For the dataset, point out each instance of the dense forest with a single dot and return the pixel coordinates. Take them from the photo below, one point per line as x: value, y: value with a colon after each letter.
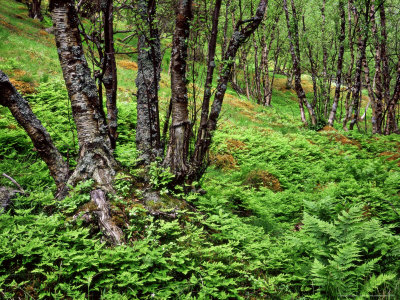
x: 180, y: 149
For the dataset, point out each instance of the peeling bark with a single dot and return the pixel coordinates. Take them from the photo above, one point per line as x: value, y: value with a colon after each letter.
x: 177, y: 152
x: 19, y: 107
x: 81, y: 86
x: 95, y: 159
x: 147, y: 82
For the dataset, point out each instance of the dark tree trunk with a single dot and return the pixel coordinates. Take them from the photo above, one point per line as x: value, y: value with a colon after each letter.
x: 197, y: 159
x: 362, y: 45
x: 293, y: 34
x: 34, y: 9
x: 325, y: 91
x: 267, y: 86
x: 391, y: 123
x: 176, y: 156
x: 147, y: 81
x: 239, y: 37
x: 342, y: 37
x: 41, y: 139
x: 351, y: 35
x: 110, y: 73
x: 313, y: 67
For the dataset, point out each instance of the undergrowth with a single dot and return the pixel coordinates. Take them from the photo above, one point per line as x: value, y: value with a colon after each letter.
x: 289, y: 212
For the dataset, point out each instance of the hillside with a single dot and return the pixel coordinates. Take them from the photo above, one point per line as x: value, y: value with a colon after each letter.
x: 288, y: 212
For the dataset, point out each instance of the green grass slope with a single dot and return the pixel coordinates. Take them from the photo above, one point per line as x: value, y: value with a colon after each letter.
x: 289, y: 212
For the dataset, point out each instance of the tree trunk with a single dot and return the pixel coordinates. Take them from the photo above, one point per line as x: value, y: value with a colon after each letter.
x: 325, y: 92
x: 110, y: 73
x: 342, y: 37
x: 348, y: 105
x: 295, y: 52
x: 176, y: 157
x: 95, y: 159
x: 147, y: 81
x: 34, y: 9
x: 240, y: 35
x: 41, y: 139
x: 197, y: 159
x: 362, y: 44
x: 257, y: 77
x: 391, y: 123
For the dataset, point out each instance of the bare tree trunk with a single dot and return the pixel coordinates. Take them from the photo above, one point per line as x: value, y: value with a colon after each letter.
x: 41, y: 139
x: 176, y: 156
x: 325, y: 92
x: 257, y: 77
x: 95, y: 159
x: 197, y: 159
x: 267, y: 86
x: 239, y: 37
x: 349, y: 105
x: 312, y: 66
x: 391, y: 123
x: 342, y: 37
x: 34, y: 8
x: 362, y: 44
x: 110, y: 73
x: 147, y: 81
x: 295, y: 52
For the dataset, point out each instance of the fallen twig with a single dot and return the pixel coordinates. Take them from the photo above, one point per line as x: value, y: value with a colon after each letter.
x: 15, y: 182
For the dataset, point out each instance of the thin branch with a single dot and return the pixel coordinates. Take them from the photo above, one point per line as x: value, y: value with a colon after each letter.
x: 14, y: 181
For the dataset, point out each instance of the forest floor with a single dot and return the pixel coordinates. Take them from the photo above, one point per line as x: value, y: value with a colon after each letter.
x: 289, y: 212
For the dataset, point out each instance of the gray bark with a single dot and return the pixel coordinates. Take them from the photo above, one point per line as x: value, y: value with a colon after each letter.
x: 95, y: 159
x: 147, y: 82
x: 41, y: 139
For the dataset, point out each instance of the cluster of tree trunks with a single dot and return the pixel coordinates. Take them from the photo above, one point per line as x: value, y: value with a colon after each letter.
x: 97, y: 133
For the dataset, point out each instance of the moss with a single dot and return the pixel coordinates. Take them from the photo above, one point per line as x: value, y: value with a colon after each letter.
x: 259, y: 178
x: 223, y: 161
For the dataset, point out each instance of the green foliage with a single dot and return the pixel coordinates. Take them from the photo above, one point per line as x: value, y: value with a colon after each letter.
x: 331, y: 231
x: 160, y: 176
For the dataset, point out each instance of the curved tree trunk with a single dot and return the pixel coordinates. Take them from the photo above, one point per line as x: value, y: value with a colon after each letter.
x: 197, y: 159
x: 41, y: 139
x: 240, y: 35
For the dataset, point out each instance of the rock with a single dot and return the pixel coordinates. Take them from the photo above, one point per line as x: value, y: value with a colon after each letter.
x: 6, y: 196
x: 50, y: 30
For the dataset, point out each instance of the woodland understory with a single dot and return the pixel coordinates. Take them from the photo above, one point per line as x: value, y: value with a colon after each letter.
x: 176, y: 149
